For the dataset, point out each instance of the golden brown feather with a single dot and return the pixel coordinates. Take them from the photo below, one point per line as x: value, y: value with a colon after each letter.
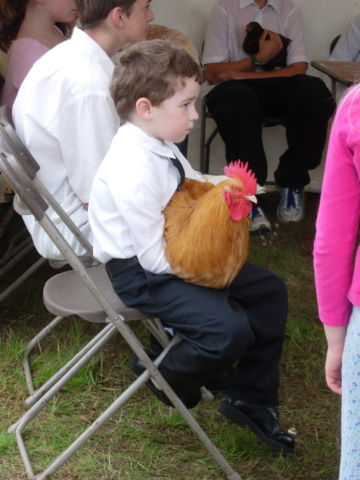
x: 203, y: 244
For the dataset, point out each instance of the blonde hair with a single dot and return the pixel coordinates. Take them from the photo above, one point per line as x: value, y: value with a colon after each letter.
x: 153, y: 69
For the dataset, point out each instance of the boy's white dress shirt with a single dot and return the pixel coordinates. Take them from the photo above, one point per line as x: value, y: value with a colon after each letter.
x: 66, y: 117
x: 132, y: 187
x: 226, y: 30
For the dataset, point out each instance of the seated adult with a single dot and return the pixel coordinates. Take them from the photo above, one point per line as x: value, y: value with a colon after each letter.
x: 240, y: 92
x: 347, y: 48
x: 64, y: 112
x: 28, y: 30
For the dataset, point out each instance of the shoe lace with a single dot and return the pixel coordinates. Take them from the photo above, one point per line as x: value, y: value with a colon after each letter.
x: 291, y: 198
x: 256, y: 212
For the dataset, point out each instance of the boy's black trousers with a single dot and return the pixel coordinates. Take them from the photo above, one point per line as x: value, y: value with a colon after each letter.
x: 244, y: 323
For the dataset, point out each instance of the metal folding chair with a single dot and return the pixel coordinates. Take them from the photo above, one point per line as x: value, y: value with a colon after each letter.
x: 118, y: 321
x: 63, y: 287
x: 11, y: 143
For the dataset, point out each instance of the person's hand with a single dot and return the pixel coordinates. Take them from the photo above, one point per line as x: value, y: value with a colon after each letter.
x: 270, y: 45
x: 333, y: 366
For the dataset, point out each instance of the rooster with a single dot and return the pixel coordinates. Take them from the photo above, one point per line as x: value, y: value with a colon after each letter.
x: 207, y: 227
x: 251, y: 46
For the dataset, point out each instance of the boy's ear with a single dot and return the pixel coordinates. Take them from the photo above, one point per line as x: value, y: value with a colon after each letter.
x: 143, y: 108
x: 117, y: 16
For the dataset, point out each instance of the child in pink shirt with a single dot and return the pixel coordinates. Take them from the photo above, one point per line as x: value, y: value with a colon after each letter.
x: 27, y: 32
x: 337, y: 275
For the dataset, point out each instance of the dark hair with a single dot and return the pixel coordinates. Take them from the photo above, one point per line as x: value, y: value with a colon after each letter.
x: 153, y: 69
x: 93, y: 12
x: 12, y: 14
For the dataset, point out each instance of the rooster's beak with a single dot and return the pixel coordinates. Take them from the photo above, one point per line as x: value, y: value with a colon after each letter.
x: 251, y: 198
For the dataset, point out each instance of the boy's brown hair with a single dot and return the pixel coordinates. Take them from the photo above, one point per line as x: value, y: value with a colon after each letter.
x: 153, y: 69
x: 93, y: 12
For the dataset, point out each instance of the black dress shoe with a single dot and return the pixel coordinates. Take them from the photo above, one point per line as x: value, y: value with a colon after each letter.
x: 263, y: 420
x: 137, y: 367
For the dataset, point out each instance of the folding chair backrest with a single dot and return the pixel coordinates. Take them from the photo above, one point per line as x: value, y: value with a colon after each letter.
x: 37, y: 205
x: 11, y: 143
x: 14, y: 144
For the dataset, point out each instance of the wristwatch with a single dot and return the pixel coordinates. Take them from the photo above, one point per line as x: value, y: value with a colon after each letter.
x: 258, y: 66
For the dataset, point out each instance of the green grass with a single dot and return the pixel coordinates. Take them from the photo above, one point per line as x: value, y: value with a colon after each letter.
x: 146, y: 439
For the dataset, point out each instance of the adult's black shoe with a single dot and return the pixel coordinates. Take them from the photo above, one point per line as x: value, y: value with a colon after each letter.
x: 263, y: 420
x: 137, y: 367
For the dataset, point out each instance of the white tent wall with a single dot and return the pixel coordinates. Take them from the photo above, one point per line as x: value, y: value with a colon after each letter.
x: 323, y: 20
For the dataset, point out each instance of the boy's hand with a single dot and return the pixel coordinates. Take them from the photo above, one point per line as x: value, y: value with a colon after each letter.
x: 270, y: 45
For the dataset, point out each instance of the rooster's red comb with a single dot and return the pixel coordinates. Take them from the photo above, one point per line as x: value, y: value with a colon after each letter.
x: 238, y: 169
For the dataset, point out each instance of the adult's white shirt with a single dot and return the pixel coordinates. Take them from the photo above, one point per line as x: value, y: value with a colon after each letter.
x: 66, y: 117
x: 347, y: 48
x: 132, y: 186
x: 226, y: 30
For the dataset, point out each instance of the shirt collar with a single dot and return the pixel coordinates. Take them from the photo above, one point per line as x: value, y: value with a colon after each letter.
x: 93, y: 49
x: 164, y: 149
x: 273, y: 3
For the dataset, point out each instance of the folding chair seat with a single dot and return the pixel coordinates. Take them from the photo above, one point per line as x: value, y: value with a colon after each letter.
x: 118, y: 321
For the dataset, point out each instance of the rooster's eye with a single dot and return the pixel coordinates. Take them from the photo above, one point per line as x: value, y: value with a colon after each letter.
x: 235, y: 189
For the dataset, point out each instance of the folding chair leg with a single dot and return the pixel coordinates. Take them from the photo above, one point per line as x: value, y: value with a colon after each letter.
x: 162, y: 337
x: 22, y: 278
x: 31, y: 345
x: 207, y: 148
x: 110, y: 331
x: 119, y: 402
x: 32, y: 399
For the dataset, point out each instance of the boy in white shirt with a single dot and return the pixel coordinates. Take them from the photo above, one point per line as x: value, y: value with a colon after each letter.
x: 64, y: 112
x: 154, y: 88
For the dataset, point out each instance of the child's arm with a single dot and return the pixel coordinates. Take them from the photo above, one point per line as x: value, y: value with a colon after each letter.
x: 338, y: 217
x: 336, y: 339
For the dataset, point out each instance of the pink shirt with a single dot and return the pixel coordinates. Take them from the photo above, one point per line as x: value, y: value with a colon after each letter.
x: 22, y: 55
x: 337, y: 276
